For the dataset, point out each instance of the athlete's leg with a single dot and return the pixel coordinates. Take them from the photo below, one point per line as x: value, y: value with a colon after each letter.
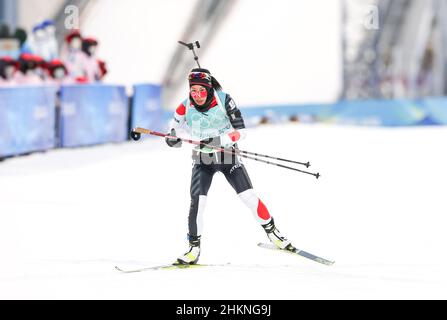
x: 201, y: 178
x: 238, y: 177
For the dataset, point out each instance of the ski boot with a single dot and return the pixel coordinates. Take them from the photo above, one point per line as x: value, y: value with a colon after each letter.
x: 276, y: 238
x: 192, y: 256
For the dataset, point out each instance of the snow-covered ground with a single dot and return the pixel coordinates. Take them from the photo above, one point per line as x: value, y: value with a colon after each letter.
x: 67, y: 217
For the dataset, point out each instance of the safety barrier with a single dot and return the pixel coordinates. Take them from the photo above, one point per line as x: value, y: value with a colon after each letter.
x: 146, y: 107
x: 93, y: 114
x: 27, y: 119
x: 387, y: 113
x: 36, y: 118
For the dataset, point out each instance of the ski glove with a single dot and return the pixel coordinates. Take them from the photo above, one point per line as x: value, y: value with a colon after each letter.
x: 228, y: 140
x: 206, y: 143
x: 223, y: 141
x: 174, y: 143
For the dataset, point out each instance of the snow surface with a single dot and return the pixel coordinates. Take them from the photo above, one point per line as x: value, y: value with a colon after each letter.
x: 67, y: 217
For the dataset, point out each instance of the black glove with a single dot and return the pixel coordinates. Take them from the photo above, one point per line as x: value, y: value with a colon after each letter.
x: 214, y: 142
x: 174, y: 143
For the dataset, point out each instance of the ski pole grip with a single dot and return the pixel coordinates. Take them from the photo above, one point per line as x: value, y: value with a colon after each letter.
x: 146, y: 131
x: 142, y: 130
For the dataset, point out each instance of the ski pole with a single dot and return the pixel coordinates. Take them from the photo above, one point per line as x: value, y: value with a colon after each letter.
x: 307, y: 164
x: 316, y: 175
x: 136, y: 135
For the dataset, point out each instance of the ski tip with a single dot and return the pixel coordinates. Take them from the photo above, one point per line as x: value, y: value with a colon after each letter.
x: 325, y: 262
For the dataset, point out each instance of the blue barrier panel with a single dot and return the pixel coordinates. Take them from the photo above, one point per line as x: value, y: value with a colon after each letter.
x: 281, y: 113
x: 147, y: 111
x: 93, y: 114
x: 27, y: 119
x: 369, y: 112
x: 377, y: 113
x: 427, y: 111
x: 435, y: 109
x: 287, y: 110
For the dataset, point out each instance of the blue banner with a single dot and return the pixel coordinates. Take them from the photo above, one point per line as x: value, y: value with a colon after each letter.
x: 93, y: 114
x: 435, y: 111
x: 282, y: 113
x: 27, y: 119
x: 389, y: 113
x: 147, y: 111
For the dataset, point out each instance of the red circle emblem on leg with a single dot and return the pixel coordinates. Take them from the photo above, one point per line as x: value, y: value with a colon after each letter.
x: 263, y: 213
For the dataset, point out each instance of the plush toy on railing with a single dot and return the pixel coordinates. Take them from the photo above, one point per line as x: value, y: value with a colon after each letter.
x: 8, y: 67
x: 80, y: 58
x: 30, y: 71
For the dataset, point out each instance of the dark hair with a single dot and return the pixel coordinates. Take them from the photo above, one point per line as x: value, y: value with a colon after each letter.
x: 216, y: 85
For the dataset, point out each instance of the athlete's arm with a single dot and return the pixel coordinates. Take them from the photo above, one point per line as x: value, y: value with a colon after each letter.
x: 235, y: 116
x: 177, y: 122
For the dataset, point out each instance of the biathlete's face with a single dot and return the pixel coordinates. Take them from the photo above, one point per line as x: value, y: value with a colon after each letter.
x: 199, y: 94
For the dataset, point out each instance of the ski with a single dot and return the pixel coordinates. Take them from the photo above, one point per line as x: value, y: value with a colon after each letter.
x: 172, y: 266
x: 299, y: 252
x: 176, y: 266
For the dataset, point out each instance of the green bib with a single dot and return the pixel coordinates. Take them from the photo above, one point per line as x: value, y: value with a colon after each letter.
x: 211, y: 123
